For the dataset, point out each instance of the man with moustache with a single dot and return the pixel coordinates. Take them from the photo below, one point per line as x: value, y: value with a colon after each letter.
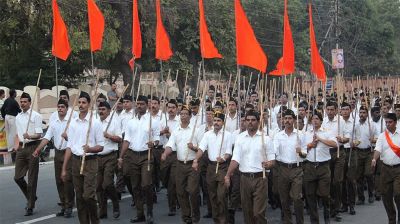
x: 128, y: 113
x: 317, y: 175
x: 107, y: 161
x: 290, y: 155
x: 77, y: 146
x: 252, y: 154
x: 168, y: 167
x: 187, y: 181
x: 25, y: 145
x: 56, y: 128
x: 388, y: 150
x: 232, y: 120
x: 139, y: 138
x: 218, y: 144
x: 63, y: 95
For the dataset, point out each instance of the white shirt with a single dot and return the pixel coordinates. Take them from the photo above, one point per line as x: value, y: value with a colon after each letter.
x: 285, y: 146
x: 212, y: 143
x: 55, y: 130
x: 387, y: 155
x: 113, y: 129
x: 250, y: 152
x: 125, y: 117
x: 231, y: 123
x: 137, y: 132
x: 322, y: 151
x: 366, y: 132
x: 380, y: 125
x: 172, y: 124
x: 178, y: 143
x: 54, y: 115
x: 77, y: 134
x: 35, y: 124
x: 201, y: 130
x: 193, y: 120
x: 346, y: 130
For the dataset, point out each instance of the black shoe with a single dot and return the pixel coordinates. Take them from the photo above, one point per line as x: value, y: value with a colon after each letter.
x: 116, y: 213
x: 133, y: 203
x: 149, y: 219
x: 377, y: 197
x: 336, y: 216
x: 60, y: 213
x: 352, y: 211
x: 344, y: 209
x: 103, y: 216
x: 326, y: 217
x: 371, y: 200
x: 29, y: 212
x: 119, y: 196
x: 138, y: 219
x: 360, y: 202
x: 208, y: 216
x: 68, y: 213
x: 171, y: 213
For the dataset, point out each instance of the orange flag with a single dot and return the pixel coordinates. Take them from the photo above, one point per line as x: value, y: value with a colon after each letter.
x: 136, y: 34
x: 287, y: 61
x: 96, y: 26
x: 248, y: 50
x: 163, y: 47
x: 207, y: 47
x: 60, y: 45
x: 317, y: 67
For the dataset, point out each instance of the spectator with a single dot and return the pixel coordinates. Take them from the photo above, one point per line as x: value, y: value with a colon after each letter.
x: 9, y: 110
x: 112, y: 95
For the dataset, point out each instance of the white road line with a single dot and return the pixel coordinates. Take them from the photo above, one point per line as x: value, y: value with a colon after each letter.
x: 13, y: 166
x: 54, y: 215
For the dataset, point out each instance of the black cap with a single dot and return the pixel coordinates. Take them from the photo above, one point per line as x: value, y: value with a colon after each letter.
x: 142, y: 98
x: 102, y: 96
x: 64, y: 93
x: 195, y: 102
x: 128, y: 97
x: 219, y: 104
x: 84, y: 95
x: 105, y: 104
x: 289, y: 112
x: 391, y: 116
x: 60, y: 101
x: 219, y: 115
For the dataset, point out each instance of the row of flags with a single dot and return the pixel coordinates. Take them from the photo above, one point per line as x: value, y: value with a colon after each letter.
x: 248, y: 50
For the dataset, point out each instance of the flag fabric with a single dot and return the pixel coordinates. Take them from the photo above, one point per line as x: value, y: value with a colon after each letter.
x: 132, y: 63
x: 317, y: 67
x: 96, y: 26
x: 136, y: 33
x: 248, y: 50
x: 163, y: 46
x: 60, y: 44
x: 286, y: 65
x: 207, y: 47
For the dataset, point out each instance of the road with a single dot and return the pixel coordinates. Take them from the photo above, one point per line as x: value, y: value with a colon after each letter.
x: 12, y: 205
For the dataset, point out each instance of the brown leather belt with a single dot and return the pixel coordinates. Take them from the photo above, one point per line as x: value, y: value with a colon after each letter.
x: 252, y: 175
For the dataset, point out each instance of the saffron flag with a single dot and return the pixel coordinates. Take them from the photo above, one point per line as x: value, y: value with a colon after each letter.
x: 207, y: 47
x: 96, y: 26
x: 163, y: 47
x: 248, y: 50
x: 317, y: 67
x: 286, y: 63
x: 60, y: 45
x: 136, y: 34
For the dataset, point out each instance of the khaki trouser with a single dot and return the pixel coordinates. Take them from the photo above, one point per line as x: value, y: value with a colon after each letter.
x: 85, y: 188
x: 136, y: 168
x: 390, y: 189
x: 364, y: 170
x: 168, y: 173
x: 253, y: 191
x: 349, y: 188
x: 187, y: 189
x: 217, y: 192
x: 203, y: 163
x: 317, y: 180
x: 65, y: 189
x: 290, y: 190
x: 337, y: 173
x: 105, y: 182
x: 26, y: 163
x: 234, y: 194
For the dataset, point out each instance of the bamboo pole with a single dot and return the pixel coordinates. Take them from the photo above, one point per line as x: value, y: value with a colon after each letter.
x: 70, y: 117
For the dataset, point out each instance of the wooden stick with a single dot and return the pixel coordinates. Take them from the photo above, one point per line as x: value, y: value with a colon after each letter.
x: 70, y: 117
x: 184, y: 88
x: 297, y: 121
x: 33, y: 103
x: 113, y: 108
x: 150, y: 125
x: 90, y: 122
x: 262, y: 128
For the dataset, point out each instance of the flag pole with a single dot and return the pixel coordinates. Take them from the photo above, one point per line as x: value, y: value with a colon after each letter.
x: 55, y: 65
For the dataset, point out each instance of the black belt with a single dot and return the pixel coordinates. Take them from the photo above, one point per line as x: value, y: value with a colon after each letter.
x: 215, y: 162
x: 333, y: 150
x: 104, y: 155
x: 392, y: 166
x: 187, y: 162
x: 316, y: 164
x: 252, y: 175
x: 366, y: 149
x: 28, y: 143
x: 140, y: 153
x: 90, y: 157
x: 347, y: 149
x: 289, y: 165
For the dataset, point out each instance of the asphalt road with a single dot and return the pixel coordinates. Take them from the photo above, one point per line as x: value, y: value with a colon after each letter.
x: 12, y: 205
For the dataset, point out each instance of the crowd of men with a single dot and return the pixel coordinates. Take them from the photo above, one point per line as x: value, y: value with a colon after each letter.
x: 302, y: 154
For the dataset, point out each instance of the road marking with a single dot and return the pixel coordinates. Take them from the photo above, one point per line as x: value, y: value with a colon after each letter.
x: 13, y: 166
x: 54, y: 215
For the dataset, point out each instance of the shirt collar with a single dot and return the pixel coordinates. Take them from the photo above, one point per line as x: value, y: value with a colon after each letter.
x: 246, y: 133
x: 86, y: 118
